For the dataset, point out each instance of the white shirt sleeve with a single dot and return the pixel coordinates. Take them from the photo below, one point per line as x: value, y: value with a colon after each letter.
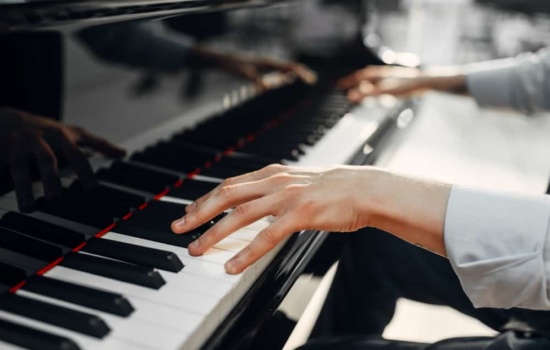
x: 521, y: 83
x: 499, y: 246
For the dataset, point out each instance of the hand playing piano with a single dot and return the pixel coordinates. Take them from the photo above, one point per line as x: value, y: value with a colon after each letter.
x: 400, y: 81
x: 26, y: 138
x: 335, y: 199
x: 326, y: 199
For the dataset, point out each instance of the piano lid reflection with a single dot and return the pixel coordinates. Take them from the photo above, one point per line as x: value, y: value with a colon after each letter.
x: 187, y: 97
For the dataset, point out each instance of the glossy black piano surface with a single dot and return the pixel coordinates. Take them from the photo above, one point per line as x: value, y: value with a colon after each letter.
x: 123, y: 68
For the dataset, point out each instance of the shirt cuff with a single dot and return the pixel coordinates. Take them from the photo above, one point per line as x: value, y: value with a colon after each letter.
x: 490, y: 84
x: 497, y: 244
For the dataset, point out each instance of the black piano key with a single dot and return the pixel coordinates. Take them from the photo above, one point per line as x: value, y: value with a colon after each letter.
x: 158, y: 215
x: 138, y: 255
x: 192, y: 189
x: 169, y: 155
x: 29, y: 246
x: 59, y: 316
x: 117, y: 200
x: 154, y: 224
x: 137, y: 177
x: 92, y: 298
x: 155, y: 235
x: 11, y: 275
x: 288, y: 152
x: 243, y: 163
x: 139, y: 275
x: 82, y: 211
x: 222, y: 172
x: 25, y: 262
x: 33, y: 339
x: 42, y: 230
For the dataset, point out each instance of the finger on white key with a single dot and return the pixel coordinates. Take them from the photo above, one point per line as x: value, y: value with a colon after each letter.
x: 195, y: 265
x: 213, y: 255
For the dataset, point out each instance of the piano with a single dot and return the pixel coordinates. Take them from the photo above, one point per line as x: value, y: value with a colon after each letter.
x: 101, y: 269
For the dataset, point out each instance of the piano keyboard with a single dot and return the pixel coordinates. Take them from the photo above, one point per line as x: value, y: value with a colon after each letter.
x: 102, y: 270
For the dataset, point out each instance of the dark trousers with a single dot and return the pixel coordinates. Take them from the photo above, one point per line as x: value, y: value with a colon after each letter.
x: 376, y: 269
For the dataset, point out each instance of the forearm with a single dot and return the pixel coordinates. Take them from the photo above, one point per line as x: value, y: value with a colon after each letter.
x: 410, y: 208
x: 447, y: 79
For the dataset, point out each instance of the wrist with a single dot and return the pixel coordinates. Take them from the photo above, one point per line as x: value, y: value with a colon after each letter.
x: 447, y: 79
x: 410, y: 208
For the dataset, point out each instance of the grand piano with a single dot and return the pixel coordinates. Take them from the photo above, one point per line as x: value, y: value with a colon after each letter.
x: 101, y: 269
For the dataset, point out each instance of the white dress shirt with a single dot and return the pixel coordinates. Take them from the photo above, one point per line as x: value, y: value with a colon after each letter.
x: 498, y: 243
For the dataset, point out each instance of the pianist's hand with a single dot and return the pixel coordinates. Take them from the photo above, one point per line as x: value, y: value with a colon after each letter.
x: 26, y: 138
x: 400, y: 81
x: 341, y: 199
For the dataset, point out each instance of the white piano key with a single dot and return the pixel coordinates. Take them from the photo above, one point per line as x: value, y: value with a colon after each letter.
x: 85, y: 342
x: 193, y: 265
x: 189, y: 301
x: 259, y: 225
x: 127, y: 329
x: 197, y: 284
x: 245, y: 234
x: 167, y: 198
x: 231, y: 244
x: 216, y: 256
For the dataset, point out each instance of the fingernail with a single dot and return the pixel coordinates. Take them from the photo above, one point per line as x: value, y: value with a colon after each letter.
x: 179, y: 223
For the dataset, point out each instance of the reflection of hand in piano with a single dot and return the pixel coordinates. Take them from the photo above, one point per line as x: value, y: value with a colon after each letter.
x: 252, y: 68
x: 27, y: 137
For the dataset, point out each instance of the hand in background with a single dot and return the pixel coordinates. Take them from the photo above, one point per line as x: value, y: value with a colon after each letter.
x: 400, y: 82
x: 253, y: 68
x: 26, y: 138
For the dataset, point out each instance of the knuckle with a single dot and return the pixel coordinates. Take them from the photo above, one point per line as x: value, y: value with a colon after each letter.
x: 226, y: 192
x: 292, y: 191
x: 227, y: 182
x: 280, y: 177
x: 270, y: 236
x: 274, y: 168
x: 194, y: 214
x: 246, y: 253
x: 242, y: 210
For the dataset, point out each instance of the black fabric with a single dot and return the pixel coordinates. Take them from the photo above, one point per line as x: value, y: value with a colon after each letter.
x: 376, y: 269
